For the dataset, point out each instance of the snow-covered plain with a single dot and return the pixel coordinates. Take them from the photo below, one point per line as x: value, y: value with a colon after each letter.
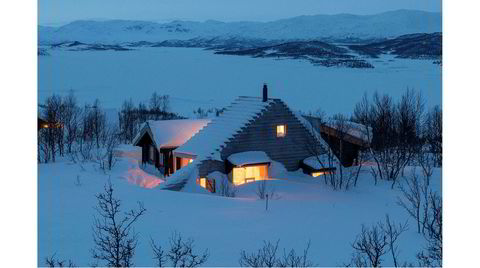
x: 198, y: 78
x: 304, y: 209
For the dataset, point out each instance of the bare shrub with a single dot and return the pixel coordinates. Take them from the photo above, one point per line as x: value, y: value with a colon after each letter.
x: 51, y: 261
x: 426, y: 160
x: 433, y: 133
x: 104, y: 156
x: 412, y: 198
x: 52, y: 136
x: 396, y: 129
x: 71, y: 120
x: 263, y: 190
x: 371, y: 244
x: 291, y: 259
x: 227, y: 189
x: 432, y: 255
x: 114, y: 238
x: 374, y: 173
x: 158, y: 253
x: 267, y: 257
x: 181, y: 252
x: 393, y: 232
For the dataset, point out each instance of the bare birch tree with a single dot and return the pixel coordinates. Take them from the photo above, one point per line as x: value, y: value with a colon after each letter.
x: 113, y: 235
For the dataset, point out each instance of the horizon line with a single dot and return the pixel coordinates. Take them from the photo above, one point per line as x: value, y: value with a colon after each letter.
x: 160, y: 21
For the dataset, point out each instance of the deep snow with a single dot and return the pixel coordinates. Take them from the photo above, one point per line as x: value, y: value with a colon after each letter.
x: 198, y: 78
x: 304, y: 209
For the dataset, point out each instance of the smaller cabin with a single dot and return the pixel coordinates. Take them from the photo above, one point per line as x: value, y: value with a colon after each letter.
x: 346, y: 139
x: 158, y: 139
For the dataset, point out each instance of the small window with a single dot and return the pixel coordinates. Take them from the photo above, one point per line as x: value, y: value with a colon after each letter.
x: 281, y: 130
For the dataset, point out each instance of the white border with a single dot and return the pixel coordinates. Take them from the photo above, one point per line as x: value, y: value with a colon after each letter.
x: 18, y: 89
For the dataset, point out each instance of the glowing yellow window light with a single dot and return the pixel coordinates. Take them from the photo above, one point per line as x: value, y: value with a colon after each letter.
x: 243, y: 175
x: 320, y: 173
x: 202, y: 182
x: 281, y: 130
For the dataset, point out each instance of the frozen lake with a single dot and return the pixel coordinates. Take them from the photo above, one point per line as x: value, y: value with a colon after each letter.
x: 197, y: 78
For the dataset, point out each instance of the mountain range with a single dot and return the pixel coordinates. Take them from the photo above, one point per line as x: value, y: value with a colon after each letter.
x: 333, y: 28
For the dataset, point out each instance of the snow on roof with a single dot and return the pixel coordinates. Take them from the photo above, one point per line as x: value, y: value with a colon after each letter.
x: 250, y: 157
x: 172, y: 133
x: 314, y: 162
x: 353, y: 129
x: 209, y: 141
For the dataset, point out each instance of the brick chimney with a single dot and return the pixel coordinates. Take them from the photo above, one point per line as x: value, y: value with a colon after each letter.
x: 265, y: 92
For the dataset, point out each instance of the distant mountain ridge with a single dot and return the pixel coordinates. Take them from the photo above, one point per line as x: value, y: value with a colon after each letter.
x: 412, y: 46
x: 324, y: 27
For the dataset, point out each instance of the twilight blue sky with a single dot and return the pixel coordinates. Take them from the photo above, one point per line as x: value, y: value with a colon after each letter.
x: 55, y: 12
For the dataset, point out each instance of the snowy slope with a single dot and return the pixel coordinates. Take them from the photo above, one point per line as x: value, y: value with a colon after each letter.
x: 303, y: 210
x: 341, y: 26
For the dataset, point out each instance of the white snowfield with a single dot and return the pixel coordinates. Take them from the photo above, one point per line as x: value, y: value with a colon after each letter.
x: 303, y: 209
x: 171, y: 133
x: 250, y: 157
x: 196, y: 78
x: 387, y: 24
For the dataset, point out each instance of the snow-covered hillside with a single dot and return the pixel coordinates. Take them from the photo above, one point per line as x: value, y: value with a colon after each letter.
x: 303, y: 209
x: 336, y: 27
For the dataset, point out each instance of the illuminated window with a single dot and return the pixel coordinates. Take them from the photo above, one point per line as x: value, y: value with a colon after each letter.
x: 182, y: 162
x: 320, y: 173
x: 316, y: 174
x: 243, y: 175
x: 281, y: 130
x: 202, y: 182
x: 207, y: 184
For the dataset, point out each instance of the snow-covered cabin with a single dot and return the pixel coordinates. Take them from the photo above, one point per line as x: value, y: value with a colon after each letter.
x: 158, y: 139
x: 242, y: 143
x: 349, y: 136
x: 251, y: 134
